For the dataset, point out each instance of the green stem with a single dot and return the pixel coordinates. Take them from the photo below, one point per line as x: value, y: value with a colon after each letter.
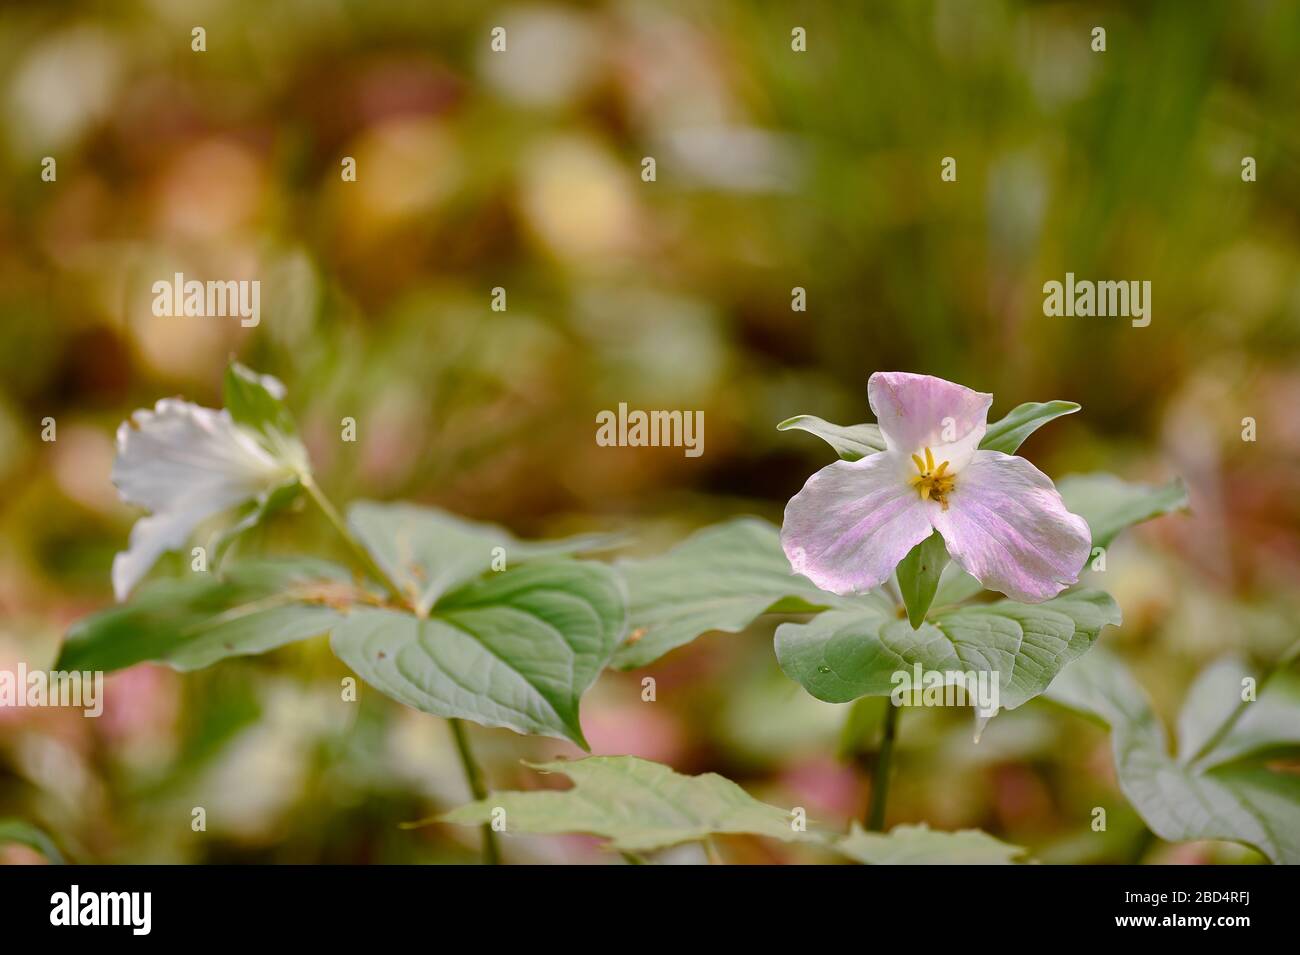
x: 880, y: 777
x: 473, y: 774
x: 360, y: 553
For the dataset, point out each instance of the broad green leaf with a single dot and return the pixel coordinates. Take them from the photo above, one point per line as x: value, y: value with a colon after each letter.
x: 257, y: 402
x: 1046, y: 636
x: 1268, y: 723
x: 918, y: 576
x: 193, y: 621
x: 1009, y: 433
x: 429, y: 552
x: 921, y: 845
x: 515, y: 649
x: 25, y: 834
x: 1208, y: 799
x: 842, y: 655
x: 636, y: 804
x: 719, y: 578
x: 855, y: 441
x: 851, y: 442
x: 1109, y: 504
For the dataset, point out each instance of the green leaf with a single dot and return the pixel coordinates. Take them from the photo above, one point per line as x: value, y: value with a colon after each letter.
x: 845, y: 654
x: 719, y: 578
x: 842, y: 655
x: 855, y: 441
x: 1211, y: 798
x: 1270, y: 723
x: 1011, y: 431
x: 1109, y: 504
x: 257, y: 403
x: 851, y: 442
x: 193, y: 621
x: 637, y: 804
x: 25, y: 834
x: 429, y: 552
x: 1046, y: 636
x: 921, y: 845
x: 515, y: 649
x: 918, y: 576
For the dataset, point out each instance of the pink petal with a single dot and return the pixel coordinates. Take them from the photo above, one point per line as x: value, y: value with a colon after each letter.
x: 853, y: 522
x: 1007, y: 527
x: 920, y: 411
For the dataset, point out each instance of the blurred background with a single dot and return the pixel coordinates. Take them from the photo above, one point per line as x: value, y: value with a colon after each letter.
x: 522, y: 170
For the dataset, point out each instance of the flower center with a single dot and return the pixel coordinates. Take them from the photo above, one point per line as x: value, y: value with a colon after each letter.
x: 932, y: 483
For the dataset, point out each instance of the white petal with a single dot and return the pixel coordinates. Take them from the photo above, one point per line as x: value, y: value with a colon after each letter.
x: 151, y: 537
x: 180, y: 449
x: 185, y: 464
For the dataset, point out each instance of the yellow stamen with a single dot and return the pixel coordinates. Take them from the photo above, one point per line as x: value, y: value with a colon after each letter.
x: 932, y: 483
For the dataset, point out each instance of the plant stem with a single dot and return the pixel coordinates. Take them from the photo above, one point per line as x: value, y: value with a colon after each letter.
x: 473, y: 774
x: 880, y: 776
x: 360, y: 553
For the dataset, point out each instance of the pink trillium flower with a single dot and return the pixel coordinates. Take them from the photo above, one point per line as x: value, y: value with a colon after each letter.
x: 1001, y: 518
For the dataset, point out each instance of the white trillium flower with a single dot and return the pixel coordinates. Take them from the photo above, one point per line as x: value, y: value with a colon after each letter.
x: 185, y: 464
